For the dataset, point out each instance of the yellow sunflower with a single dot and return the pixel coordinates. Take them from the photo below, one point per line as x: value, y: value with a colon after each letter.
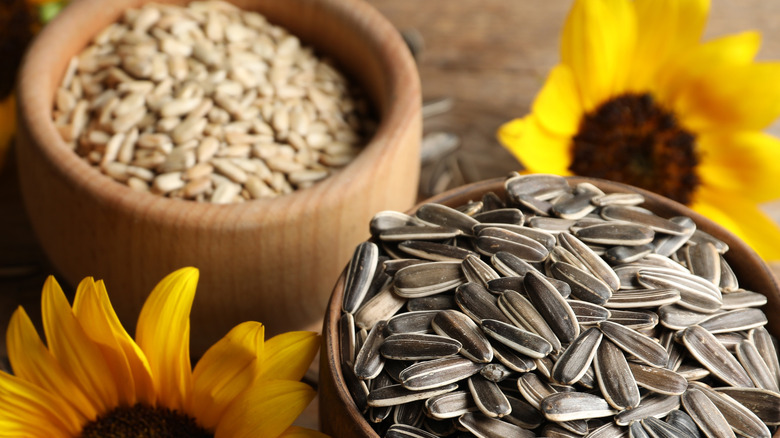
x: 93, y: 380
x: 637, y: 98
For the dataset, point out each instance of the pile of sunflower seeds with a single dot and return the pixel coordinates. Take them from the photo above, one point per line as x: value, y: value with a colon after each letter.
x: 209, y: 103
x: 559, y: 312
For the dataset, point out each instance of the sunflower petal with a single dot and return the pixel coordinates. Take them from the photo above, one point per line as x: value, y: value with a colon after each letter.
x: 225, y: 370
x: 536, y: 148
x: 32, y: 362
x: 266, y: 409
x: 289, y: 355
x: 300, y: 432
x: 79, y: 357
x: 163, y: 333
x: 745, y: 164
x: 743, y: 218
x: 557, y: 105
x: 598, y: 37
x: 27, y: 410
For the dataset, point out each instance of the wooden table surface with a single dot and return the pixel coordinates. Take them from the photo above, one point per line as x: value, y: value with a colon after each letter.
x: 488, y: 57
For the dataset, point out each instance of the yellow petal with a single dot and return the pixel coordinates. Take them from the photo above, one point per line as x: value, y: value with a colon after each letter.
x: 93, y: 319
x: 31, y: 361
x: 537, y: 149
x: 598, y: 37
x: 163, y: 333
x: 743, y: 218
x: 300, y: 432
x: 139, y: 366
x: 743, y: 97
x: 744, y: 164
x: 665, y: 28
x: 289, y: 355
x: 228, y: 368
x: 557, y: 106
x: 29, y: 411
x: 265, y: 410
x: 81, y: 359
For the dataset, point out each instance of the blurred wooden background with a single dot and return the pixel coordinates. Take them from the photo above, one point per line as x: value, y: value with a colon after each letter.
x: 488, y: 58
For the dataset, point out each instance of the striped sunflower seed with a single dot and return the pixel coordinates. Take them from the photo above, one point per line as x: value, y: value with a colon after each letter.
x: 743, y: 421
x: 567, y: 406
x: 479, y: 304
x: 438, y: 372
x: 398, y: 394
x: 488, y: 397
x: 524, y: 315
x: 369, y: 363
x: 652, y: 405
x: 411, y: 322
x: 709, y: 352
x: 428, y: 279
x: 755, y: 366
x: 359, y: 274
x: 460, y: 327
x: 577, y: 358
x: 644, y: 348
x: 399, y: 430
x: 584, y: 285
x: 706, y: 414
x: 445, y: 216
x: 552, y: 306
x: 450, y: 405
x: 660, y: 429
x: 522, y: 341
x: 486, y: 427
x: 614, y: 377
x: 681, y: 420
x: 658, y: 379
x: 762, y: 402
x: 418, y: 346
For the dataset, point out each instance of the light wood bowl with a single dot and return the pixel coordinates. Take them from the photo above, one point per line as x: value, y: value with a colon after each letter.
x: 338, y: 413
x: 274, y: 261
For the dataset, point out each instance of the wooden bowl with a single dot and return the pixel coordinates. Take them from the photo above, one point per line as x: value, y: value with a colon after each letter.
x: 338, y: 413
x: 274, y: 261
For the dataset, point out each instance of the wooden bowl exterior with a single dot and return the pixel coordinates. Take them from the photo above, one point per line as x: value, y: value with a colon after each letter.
x: 339, y: 415
x: 268, y: 260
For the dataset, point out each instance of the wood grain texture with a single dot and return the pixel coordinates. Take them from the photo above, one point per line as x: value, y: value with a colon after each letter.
x: 269, y: 260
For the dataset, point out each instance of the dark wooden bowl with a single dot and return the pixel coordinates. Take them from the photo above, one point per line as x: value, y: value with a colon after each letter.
x: 338, y: 413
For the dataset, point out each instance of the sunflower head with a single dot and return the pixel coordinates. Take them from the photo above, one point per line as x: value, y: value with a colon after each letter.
x: 638, y: 98
x: 91, y: 379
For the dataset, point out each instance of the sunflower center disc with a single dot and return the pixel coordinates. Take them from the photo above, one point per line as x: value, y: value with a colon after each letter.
x: 632, y: 140
x: 142, y: 421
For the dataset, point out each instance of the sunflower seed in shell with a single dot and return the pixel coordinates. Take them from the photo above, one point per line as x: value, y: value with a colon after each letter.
x: 393, y: 368
x: 419, y: 232
x: 643, y: 217
x: 618, y: 199
x: 695, y: 293
x: 734, y: 320
x: 692, y: 372
x: 411, y: 322
x: 488, y: 397
x: 433, y: 251
x: 577, y: 206
x: 741, y: 299
x: 400, y: 430
x: 502, y: 284
x: 522, y: 341
x: 755, y: 366
x: 766, y: 348
x: 471, y: 208
x: 541, y: 186
x: 637, y: 430
x: 388, y: 219
x: 445, y: 427
x: 712, y: 355
x: 592, y: 261
x: 700, y: 237
x: 614, y: 377
x: 652, y: 405
x: 479, y: 304
x: 357, y: 387
x: 552, y: 306
x: 460, y: 327
x: 380, y: 307
x: 538, y: 207
x: 660, y: 429
x: 411, y: 414
x: 728, y: 280
x: 634, y: 319
x: 704, y: 261
x: 642, y: 298
x: 347, y: 339
x: 553, y: 430
x: 378, y: 414
x: 547, y: 240
x: 552, y: 225
x: 495, y: 372
x: 762, y: 402
x: 577, y: 357
x: 641, y: 346
x: 533, y: 389
x: 675, y: 317
x: 444, y: 216
x: 450, y: 405
x: 397, y: 394
x: 418, y: 346
x: 681, y: 420
x: 741, y: 419
x: 588, y: 313
x: 658, y: 379
x: 705, y: 414
x: 489, y: 245
x: 432, y: 302
x: 483, y: 426
x: 668, y: 244
x: 584, y: 285
x: 359, y: 274
x: 627, y: 254
x: 428, y: 279
x: 608, y: 430
x: 438, y: 372
x: 512, y: 359
x: 568, y: 406
x: 616, y: 233
x: 524, y: 315
x: 368, y: 362
x: 511, y: 216
x: 478, y: 271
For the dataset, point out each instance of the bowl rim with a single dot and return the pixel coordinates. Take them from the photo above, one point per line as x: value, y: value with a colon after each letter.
x: 38, y: 82
x: 331, y: 363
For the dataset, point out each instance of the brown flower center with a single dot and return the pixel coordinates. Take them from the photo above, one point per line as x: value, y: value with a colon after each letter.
x: 630, y: 139
x: 142, y: 421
